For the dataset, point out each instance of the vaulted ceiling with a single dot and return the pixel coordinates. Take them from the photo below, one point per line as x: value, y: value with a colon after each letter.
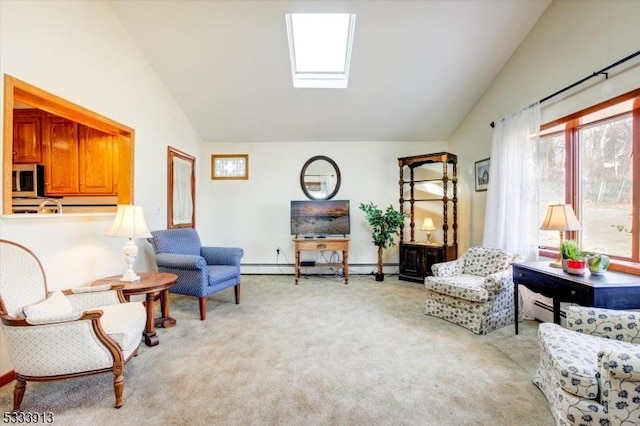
x: 417, y: 69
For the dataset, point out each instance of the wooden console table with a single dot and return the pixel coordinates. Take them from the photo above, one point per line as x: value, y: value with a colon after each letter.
x: 613, y: 290
x: 324, y: 244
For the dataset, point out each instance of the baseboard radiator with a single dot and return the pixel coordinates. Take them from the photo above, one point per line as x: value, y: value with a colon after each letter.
x: 544, y: 312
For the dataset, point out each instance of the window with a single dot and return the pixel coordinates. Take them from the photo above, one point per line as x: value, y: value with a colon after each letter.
x: 320, y: 48
x: 591, y: 160
x: 230, y: 166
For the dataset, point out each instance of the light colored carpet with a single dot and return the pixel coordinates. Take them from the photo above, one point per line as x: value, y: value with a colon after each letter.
x: 320, y: 353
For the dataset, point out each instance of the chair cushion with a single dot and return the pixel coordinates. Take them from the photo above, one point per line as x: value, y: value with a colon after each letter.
x: 574, y: 357
x: 55, y: 306
x: 483, y: 261
x: 124, y: 323
x: 221, y: 273
x: 465, y: 286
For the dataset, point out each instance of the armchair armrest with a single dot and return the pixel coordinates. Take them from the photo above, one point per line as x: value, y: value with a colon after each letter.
x: 448, y: 269
x: 619, y: 364
x: 499, y: 280
x: 222, y: 255
x: 84, y: 298
x: 608, y: 323
x: 180, y: 261
x: 73, y: 316
x: 619, y: 383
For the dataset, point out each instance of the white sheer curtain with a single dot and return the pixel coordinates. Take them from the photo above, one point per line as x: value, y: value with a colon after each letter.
x: 511, y: 216
x: 182, y: 201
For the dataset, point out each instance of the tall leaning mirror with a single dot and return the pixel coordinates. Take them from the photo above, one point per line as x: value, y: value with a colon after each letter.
x: 320, y: 178
x: 181, y: 189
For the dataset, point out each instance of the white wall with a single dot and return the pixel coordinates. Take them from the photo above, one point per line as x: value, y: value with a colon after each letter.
x: 254, y: 214
x: 570, y: 41
x: 78, y: 50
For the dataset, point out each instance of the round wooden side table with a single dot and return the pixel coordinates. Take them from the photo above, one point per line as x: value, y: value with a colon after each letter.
x: 152, y: 285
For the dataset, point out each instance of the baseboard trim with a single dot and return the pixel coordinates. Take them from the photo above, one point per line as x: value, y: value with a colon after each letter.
x: 7, y: 378
x: 289, y: 268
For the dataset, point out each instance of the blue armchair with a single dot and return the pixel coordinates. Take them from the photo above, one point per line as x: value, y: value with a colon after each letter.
x: 202, y: 271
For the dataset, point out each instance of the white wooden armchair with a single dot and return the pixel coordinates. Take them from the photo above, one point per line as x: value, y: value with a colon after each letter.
x: 63, y: 334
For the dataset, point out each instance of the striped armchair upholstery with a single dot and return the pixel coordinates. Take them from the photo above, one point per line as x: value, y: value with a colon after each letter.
x: 63, y: 334
x: 202, y: 271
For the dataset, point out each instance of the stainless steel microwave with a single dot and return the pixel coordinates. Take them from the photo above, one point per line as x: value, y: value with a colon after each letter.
x: 27, y: 181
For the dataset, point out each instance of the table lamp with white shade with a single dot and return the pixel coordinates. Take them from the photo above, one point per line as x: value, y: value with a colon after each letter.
x: 428, y: 226
x: 560, y: 217
x: 129, y: 223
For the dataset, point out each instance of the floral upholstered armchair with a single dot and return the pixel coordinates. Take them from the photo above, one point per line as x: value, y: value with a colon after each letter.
x: 63, y: 334
x: 474, y: 291
x: 202, y: 271
x: 590, y: 371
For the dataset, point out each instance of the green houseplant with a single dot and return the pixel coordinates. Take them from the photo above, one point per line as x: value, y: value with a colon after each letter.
x: 573, y: 258
x: 385, y: 225
x: 597, y: 263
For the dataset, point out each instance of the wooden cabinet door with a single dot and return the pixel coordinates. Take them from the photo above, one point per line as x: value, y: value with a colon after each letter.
x: 60, y: 142
x: 26, y: 139
x: 96, y: 162
x: 411, y: 261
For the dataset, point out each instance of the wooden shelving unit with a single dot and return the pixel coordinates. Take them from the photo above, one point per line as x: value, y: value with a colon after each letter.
x: 440, y: 183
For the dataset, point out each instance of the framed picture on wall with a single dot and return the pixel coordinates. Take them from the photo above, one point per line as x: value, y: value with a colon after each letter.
x: 482, y: 175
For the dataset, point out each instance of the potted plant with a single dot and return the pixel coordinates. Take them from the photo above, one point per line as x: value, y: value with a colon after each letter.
x: 385, y: 225
x: 597, y: 263
x: 573, y: 258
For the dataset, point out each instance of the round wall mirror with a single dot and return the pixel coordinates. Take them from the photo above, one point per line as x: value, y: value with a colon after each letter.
x: 320, y: 178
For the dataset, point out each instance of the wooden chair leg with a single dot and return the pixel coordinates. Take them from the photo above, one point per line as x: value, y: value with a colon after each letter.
x: 203, y: 308
x: 18, y: 393
x: 118, y: 388
x: 237, y: 290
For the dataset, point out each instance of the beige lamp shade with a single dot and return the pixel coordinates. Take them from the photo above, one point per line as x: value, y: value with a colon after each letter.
x: 129, y: 223
x: 560, y: 217
x: 427, y: 225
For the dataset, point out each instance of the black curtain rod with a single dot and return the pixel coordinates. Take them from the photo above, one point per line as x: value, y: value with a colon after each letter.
x: 595, y: 74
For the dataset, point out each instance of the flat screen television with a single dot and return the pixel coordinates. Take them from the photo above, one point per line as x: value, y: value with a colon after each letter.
x: 320, y: 218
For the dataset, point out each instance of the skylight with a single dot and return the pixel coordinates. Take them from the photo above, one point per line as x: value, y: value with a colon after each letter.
x: 320, y: 48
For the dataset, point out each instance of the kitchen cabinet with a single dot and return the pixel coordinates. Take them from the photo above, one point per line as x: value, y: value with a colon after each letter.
x: 27, y: 138
x: 96, y: 163
x: 60, y: 145
x: 78, y: 160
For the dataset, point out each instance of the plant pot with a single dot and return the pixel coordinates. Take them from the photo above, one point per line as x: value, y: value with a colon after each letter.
x: 379, y: 277
x: 576, y: 267
x: 598, y: 264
